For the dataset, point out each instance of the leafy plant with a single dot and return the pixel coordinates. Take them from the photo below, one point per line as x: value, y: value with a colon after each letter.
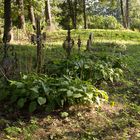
x: 37, y: 91
x: 89, y: 67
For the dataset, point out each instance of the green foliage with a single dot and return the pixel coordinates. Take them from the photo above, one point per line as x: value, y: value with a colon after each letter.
x: 103, y: 22
x: 64, y: 114
x: 37, y: 91
x: 13, y: 131
x: 89, y: 67
x: 135, y: 24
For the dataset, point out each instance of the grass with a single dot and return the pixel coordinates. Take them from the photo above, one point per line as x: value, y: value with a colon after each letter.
x: 119, y: 119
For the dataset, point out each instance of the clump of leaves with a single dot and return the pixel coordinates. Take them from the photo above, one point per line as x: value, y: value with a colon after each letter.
x: 40, y: 91
x: 89, y: 67
x: 13, y: 131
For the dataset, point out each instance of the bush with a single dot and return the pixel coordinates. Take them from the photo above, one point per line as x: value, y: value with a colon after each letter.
x: 34, y: 91
x: 89, y: 67
x: 103, y: 22
x: 135, y: 24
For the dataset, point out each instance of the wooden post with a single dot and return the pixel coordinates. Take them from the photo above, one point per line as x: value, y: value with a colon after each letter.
x: 39, y: 45
x: 89, y: 42
x: 91, y: 38
x: 69, y: 43
x: 79, y: 44
x: 88, y: 45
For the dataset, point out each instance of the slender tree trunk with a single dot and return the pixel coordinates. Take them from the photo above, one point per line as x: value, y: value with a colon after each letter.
x: 122, y: 13
x: 7, y: 21
x: 127, y: 14
x: 31, y: 14
x: 84, y: 12
x: 48, y: 13
x: 71, y: 13
x: 21, y: 18
x: 75, y: 14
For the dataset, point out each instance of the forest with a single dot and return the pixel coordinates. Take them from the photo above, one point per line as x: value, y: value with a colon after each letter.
x: 69, y: 69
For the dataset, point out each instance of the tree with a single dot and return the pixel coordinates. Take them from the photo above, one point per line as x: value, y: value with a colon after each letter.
x: 21, y: 18
x: 31, y: 14
x: 7, y: 21
x: 122, y: 13
x: 48, y: 15
x: 127, y: 14
x: 84, y: 14
x: 75, y: 14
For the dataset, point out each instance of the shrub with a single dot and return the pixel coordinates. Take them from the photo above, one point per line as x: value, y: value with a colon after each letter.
x: 135, y: 24
x: 104, y: 22
x: 34, y: 91
x: 89, y: 67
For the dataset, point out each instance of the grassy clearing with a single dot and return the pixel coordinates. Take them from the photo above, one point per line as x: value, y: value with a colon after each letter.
x: 120, y: 119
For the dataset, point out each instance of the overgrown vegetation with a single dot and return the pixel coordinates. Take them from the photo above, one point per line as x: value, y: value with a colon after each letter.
x: 110, y: 72
x: 69, y: 70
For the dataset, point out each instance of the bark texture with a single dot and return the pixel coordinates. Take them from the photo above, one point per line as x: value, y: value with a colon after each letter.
x: 21, y: 18
x: 7, y: 21
x: 48, y: 13
x: 31, y: 14
x: 84, y: 13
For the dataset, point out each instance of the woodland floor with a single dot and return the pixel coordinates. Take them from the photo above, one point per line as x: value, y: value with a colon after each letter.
x: 119, y: 119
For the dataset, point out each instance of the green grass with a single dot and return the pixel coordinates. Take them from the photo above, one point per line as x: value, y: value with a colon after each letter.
x: 120, y: 119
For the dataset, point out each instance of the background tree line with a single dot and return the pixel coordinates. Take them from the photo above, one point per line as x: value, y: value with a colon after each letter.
x: 70, y: 13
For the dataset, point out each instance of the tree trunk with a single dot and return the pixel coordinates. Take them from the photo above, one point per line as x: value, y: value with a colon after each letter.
x: 21, y: 18
x: 31, y: 14
x: 7, y: 21
x: 122, y: 13
x: 48, y: 13
x: 71, y: 13
x: 75, y: 14
x: 84, y: 12
x: 127, y: 14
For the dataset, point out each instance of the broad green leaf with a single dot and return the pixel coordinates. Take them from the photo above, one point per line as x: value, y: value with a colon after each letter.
x: 69, y: 93
x: 44, y: 87
x: 35, y: 89
x: 90, y: 95
x: 41, y: 100
x: 86, y: 66
x: 21, y: 102
x: 77, y: 95
x: 111, y: 79
x: 32, y: 106
x: 17, y: 84
x: 25, y: 77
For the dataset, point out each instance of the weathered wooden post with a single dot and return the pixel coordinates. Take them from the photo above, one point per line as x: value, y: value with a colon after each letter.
x: 79, y: 44
x: 88, y: 48
x: 39, y: 45
x: 91, y: 37
x: 89, y: 42
x: 68, y: 44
